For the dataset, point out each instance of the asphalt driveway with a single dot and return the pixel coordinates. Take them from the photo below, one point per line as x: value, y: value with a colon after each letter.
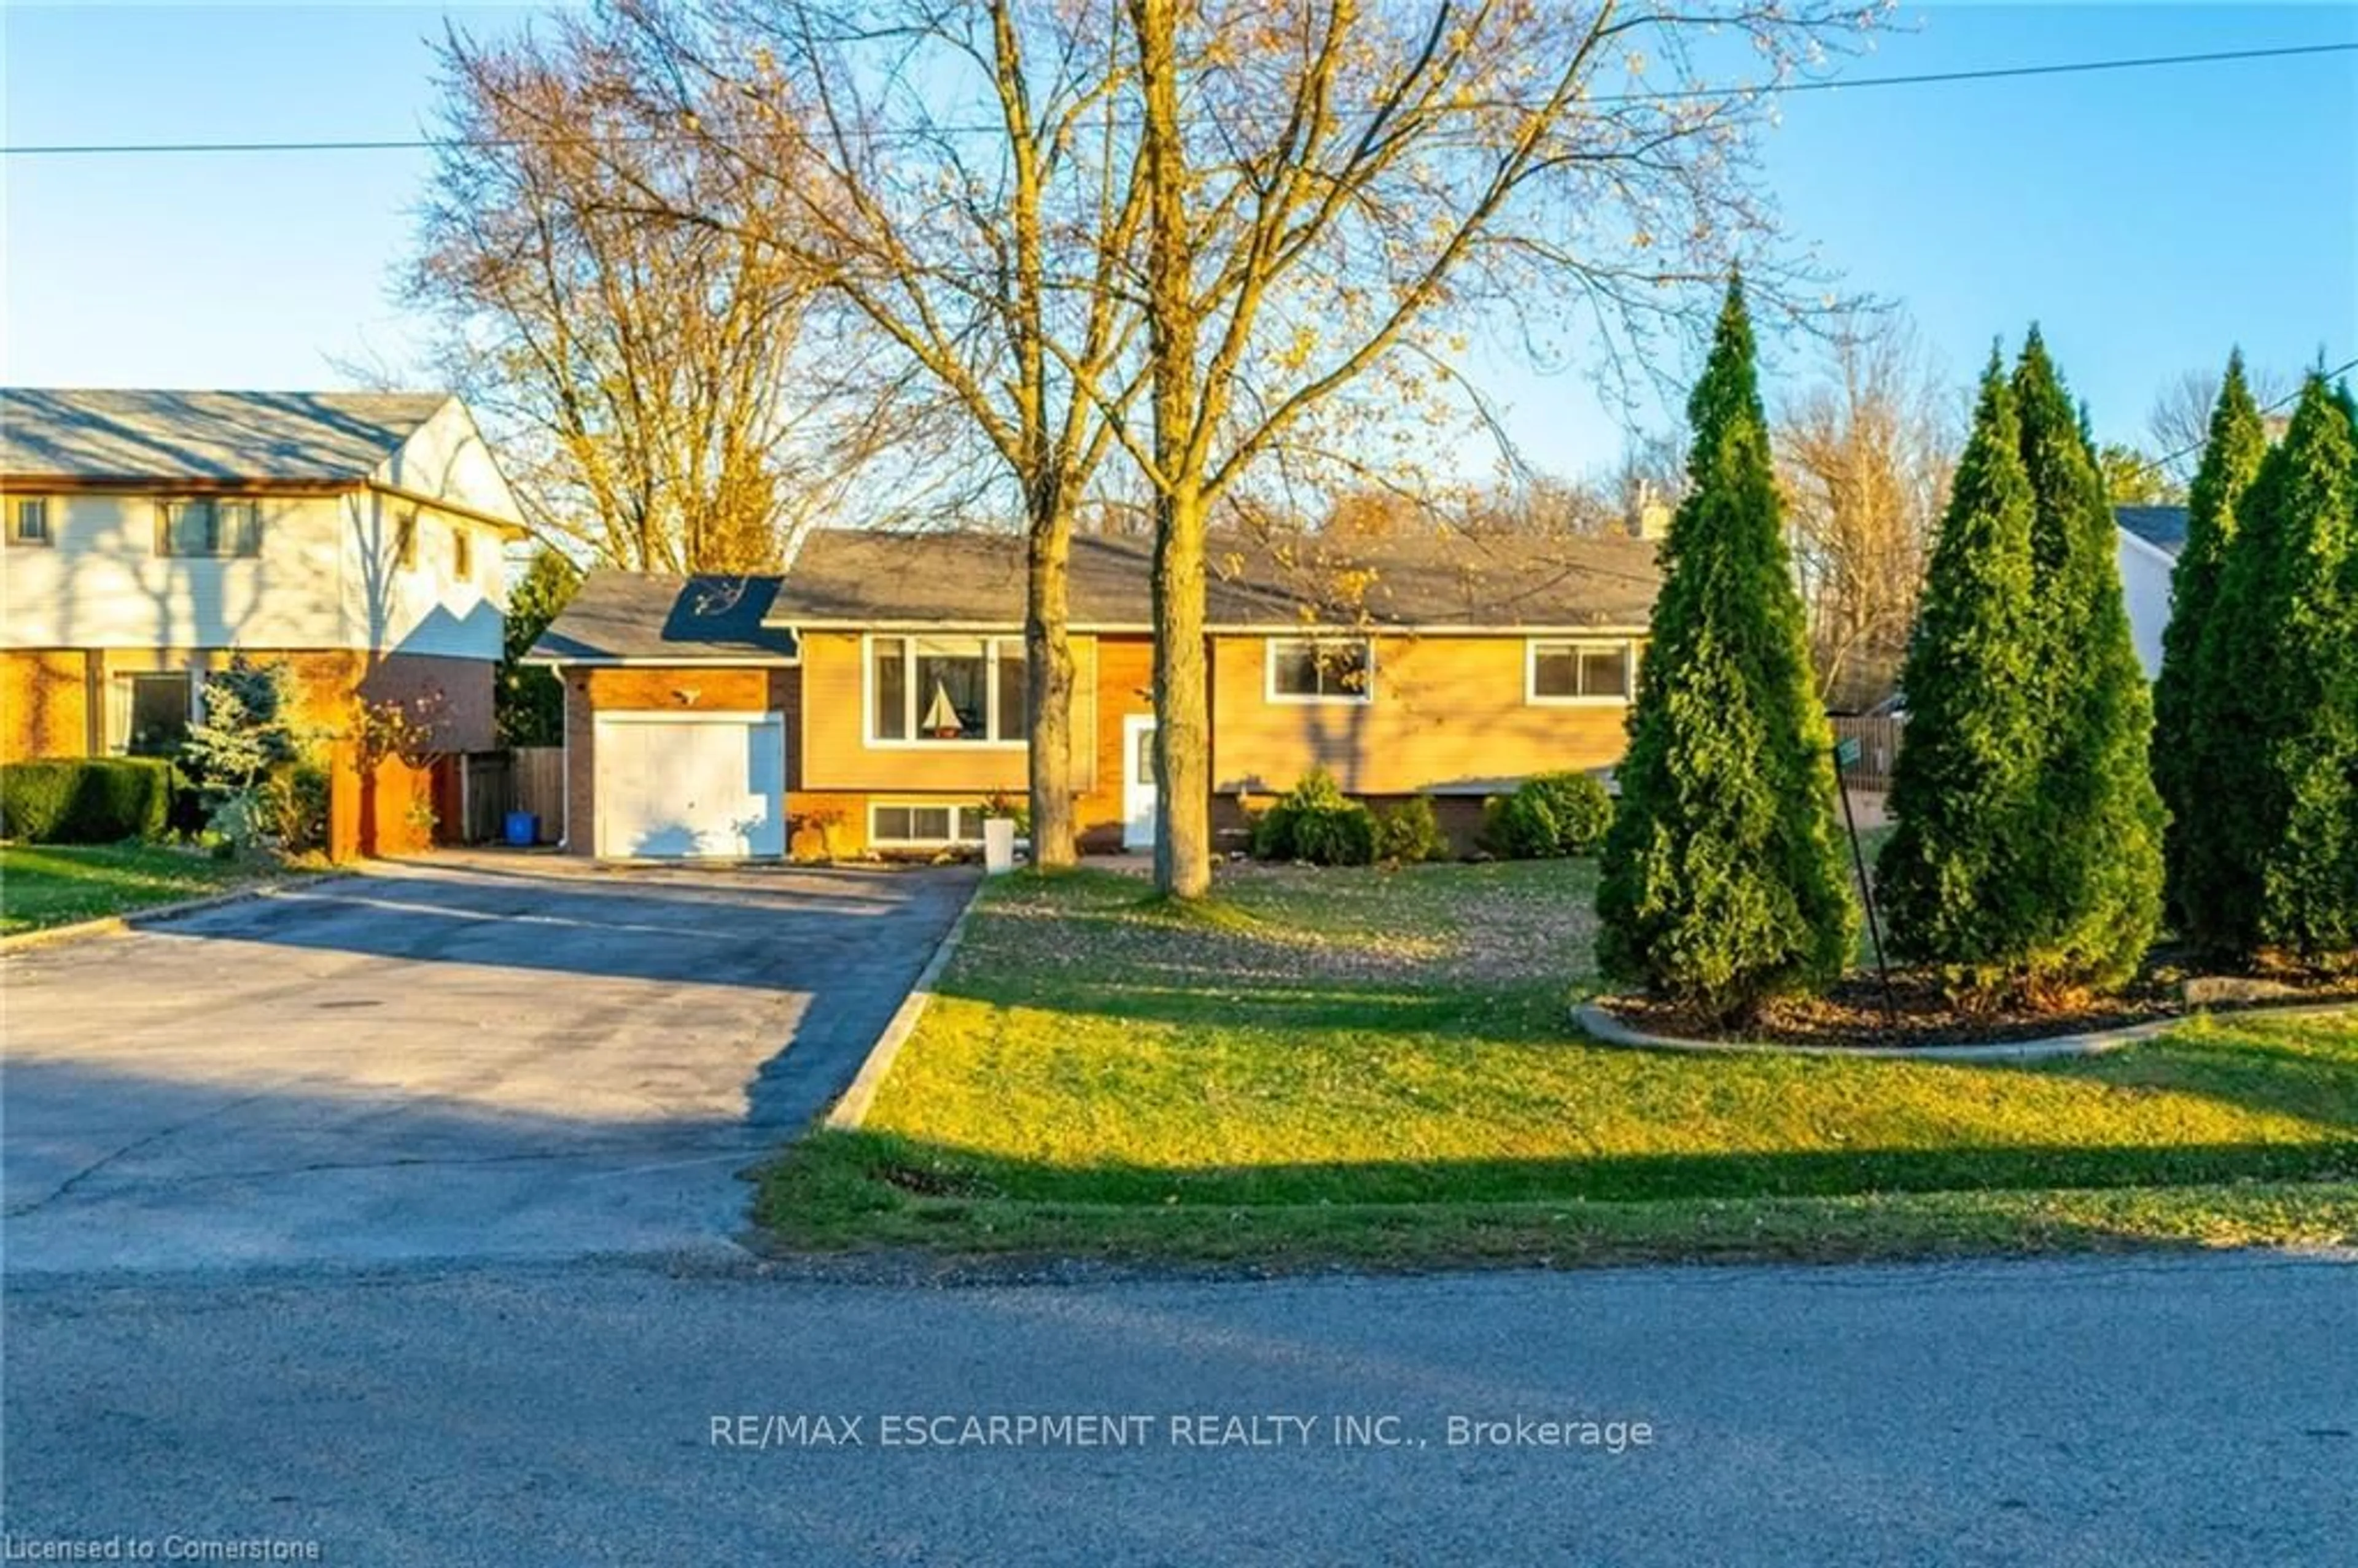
x: 487, y: 1057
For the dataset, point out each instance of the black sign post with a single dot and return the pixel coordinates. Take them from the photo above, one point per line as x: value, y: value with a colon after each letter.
x: 1846, y: 754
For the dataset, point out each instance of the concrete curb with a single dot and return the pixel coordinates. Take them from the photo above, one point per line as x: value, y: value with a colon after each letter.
x: 851, y: 1108
x: 1606, y: 1029
x: 156, y: 914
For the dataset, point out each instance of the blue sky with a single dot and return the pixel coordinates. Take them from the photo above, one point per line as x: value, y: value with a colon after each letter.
x: 2147, y: 219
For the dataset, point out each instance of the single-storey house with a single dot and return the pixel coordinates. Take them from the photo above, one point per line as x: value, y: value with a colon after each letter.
x: 152, y: 536
x: 2148, y: 541
x: 870, y: 698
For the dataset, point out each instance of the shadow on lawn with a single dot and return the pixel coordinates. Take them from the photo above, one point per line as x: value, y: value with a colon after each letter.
x: 927, y: 1169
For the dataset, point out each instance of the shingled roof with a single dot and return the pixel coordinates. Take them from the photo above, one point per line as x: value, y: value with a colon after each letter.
x: 130, y: 437
x: 845, y: 577
x: 2163, y: 527
x: 644, y: 618
x: 849, y: 577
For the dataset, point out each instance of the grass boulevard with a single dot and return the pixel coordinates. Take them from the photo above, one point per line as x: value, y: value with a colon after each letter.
x: 1377, y: 1068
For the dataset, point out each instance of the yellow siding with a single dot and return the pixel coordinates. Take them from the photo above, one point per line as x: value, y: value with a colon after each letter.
x: 837, y: 756
x: 1448, y: 715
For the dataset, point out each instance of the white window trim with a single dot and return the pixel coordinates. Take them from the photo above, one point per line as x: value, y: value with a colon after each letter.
x: 953, y: 807
x: 51, y: 512
x: 915, y: 742
x: 1360, y: 698
x: 1531, y: 646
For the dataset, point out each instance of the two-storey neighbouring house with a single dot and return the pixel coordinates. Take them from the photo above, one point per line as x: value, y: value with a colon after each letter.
x: 871, y: 697
x: 151, y: 535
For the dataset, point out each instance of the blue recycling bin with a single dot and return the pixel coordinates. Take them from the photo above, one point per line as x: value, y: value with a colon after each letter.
x: 522, y: 829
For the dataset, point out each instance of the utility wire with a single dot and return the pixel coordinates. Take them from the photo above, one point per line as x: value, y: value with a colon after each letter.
x: 1760, y: 90
x: 2160, y: 465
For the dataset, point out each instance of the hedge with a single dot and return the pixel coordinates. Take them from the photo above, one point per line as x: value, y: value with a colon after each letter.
x: 97, y: 800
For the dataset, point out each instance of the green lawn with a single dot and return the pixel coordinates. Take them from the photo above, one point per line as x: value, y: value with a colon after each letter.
x: 1377, y: 1065
x: 57, y: 884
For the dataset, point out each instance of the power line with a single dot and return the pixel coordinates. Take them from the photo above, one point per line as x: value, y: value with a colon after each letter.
x: 2160, y: 465
x: 1763, y: 89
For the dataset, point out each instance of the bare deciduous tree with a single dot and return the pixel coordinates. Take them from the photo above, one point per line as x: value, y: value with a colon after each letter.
x: 2178, y: 423
x: 1866, y: 456
x: 959, y: 176
x: 651, y: 382
x: 1338, y: 188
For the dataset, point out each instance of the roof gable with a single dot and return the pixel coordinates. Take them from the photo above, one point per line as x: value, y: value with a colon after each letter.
x: 161, y: 437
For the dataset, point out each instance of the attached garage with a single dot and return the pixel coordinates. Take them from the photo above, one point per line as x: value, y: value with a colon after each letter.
x: 689, y: 785
x: 680, y: 718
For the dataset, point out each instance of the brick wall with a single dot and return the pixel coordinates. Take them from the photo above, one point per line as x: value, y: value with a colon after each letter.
x: 662, y: 688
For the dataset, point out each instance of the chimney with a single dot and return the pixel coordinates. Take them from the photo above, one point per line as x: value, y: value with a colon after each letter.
x: 1650, y: 518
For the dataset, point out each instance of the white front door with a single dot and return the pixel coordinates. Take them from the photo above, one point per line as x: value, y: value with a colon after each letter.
x: 1138, y: 797
x: 690, y: 786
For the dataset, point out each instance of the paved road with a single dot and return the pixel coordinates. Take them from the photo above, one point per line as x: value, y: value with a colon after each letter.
x: 492, y: 1059
x: 2115, y: 1412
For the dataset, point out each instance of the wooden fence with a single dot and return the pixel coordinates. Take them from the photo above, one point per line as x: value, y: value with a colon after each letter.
x: 1878, y: 747
x: 539, y: 787
x: 486, y: 791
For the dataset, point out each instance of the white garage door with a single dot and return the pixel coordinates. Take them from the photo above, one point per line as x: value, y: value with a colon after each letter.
x: 683, y: 785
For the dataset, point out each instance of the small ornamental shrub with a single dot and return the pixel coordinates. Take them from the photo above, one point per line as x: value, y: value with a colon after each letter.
x: 1336, y: 835
x: 1549, y: 816
x: 299, y: 795
x: 1314, y: 821
x: 95, y: 800
x: 1410, y: 831
x: 242, y: 748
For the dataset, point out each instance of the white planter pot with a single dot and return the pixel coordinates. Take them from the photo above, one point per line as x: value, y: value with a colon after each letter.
x: 998, y: 844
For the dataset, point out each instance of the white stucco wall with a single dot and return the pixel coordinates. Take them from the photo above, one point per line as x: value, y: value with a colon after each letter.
x: 326, y: 575
x: 2144, y: 586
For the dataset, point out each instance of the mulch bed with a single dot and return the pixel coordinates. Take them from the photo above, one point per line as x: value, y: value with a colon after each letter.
x: 1919, y: 1010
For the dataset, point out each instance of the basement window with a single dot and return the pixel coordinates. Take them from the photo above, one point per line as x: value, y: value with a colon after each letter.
x: 923, y: 826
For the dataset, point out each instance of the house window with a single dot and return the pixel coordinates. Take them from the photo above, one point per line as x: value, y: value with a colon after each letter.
x: 29, y: 520
x: 924, y: 826
x: 1321, y: 669
x: 148, y: 715
x: 935, y: 689
x: 462, y: 555
x: 220, y: 526
x: 1604, y: 670
x: 405, y: 541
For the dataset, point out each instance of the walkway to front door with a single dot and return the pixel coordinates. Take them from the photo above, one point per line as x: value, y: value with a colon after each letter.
x: 1139, y: 803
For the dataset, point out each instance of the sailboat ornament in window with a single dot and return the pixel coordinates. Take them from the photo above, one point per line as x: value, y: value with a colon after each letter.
x: 941, y: 719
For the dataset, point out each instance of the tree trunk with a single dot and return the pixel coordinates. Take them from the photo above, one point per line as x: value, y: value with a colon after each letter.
x: 1048, y: 695
x: 1183, y: 736
x: 1183, y: 730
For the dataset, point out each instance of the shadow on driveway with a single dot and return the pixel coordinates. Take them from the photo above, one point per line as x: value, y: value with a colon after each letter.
x: 443, y: 1060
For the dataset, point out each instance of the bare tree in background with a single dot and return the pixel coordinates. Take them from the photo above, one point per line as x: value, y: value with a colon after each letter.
x: 959, y: 176
x: 652, y: 383
x: 1337, y: 192
x: 1866, y: 456
x: 2178, y: 427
